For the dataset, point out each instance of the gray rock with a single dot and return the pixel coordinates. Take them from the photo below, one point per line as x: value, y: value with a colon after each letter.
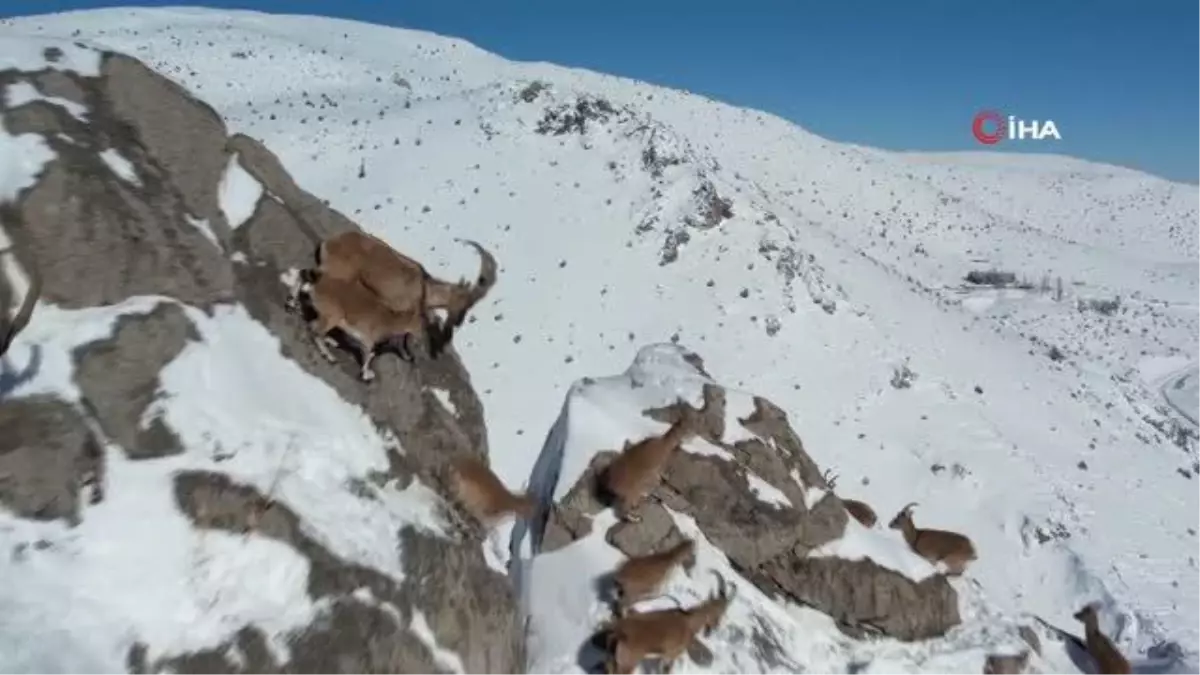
x: 119, y: 378
x: 99, y: 239
x: 47, y: 456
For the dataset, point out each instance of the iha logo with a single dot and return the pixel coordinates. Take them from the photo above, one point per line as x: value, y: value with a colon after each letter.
x: 990, y: 127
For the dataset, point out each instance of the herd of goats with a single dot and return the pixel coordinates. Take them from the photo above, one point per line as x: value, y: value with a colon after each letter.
x: 376, y: 298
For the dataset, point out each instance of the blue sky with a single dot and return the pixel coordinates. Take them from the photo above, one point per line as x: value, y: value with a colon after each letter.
x: 1118, y: 77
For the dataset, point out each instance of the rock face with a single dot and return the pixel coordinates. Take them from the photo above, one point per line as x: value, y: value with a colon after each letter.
x: 767, y: 539
x: 129, y: 206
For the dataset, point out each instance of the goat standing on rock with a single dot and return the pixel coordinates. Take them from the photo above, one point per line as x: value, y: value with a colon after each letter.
x: 354, y: 310
x: 951, y: 548
x: 665, y: 633
x: 400, y: 283
x: 638, y: 469
x: 640, y: 578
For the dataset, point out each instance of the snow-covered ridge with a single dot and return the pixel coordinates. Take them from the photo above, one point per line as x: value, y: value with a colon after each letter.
x: 600, y: 414
x: 1029, y: 408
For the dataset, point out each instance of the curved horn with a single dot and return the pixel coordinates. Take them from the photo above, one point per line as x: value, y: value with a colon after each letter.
x: 487, y: 266
x: 908, y: 507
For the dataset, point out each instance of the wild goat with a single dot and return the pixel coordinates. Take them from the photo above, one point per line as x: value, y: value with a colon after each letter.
x: 665, y: 633
x: 640, y: 578
x: 401, y: 283
x: 25, y: 311
x: 1106, y: 655
x: 638, y: 469
x: 353, y: 309
x: 481, y: 494
x: 951, y: 548
x: 861, y: 512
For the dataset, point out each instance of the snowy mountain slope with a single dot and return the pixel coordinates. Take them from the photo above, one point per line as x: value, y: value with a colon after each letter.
x: 422, y: 138
x: 184, y: 486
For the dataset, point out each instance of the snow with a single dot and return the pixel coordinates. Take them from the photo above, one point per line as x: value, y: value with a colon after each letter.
x: 853, y: 256
x: 767, y: 492
x: 885, y: 547
x: 443, y: 397
x: 53, y: 333
x: 20, y: 93
x: 120, y: 166
x: 738, y: 406
x: 303, y: 448
x: 27, y: 53
x: 205, y: 229
x: 25, y: 155
x: 86, y: 586
x: 238, y: 193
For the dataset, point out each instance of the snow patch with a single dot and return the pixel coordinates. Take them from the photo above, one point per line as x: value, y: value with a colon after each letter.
x: 738, y: 406
x: 699, y: 446
x: 205, y: 229
x: 238, y: 193
x: 121, y: 166
x: 812, y: 496
x: 766, y: 492
x: 443, y: 397
x: 20, y: 93
x: 22, y: 158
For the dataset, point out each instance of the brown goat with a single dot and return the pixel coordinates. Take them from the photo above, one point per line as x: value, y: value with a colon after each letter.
x: 400, y: 282
x: 1106, y: 655
x: 951, y: 548
x: 21, y: 319
x: 861, y: 511
x: 482, y: 495
x: 665, y: 633
x: 638, y: 469
x: 351, y: 308
x: 640, y: 578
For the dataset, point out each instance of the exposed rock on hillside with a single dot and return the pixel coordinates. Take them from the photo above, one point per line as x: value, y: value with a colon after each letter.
x: 132, y: 222
x: 749, y: 488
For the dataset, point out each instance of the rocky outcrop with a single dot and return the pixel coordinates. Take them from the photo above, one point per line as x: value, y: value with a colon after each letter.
x: 128, y: 210
x: 756, y: 495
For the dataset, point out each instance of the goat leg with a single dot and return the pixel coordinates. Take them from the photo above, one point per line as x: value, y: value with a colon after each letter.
x: 293, y: 298
x: 321, y: 339
x: 368, y: 355
x: 405, y: 348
